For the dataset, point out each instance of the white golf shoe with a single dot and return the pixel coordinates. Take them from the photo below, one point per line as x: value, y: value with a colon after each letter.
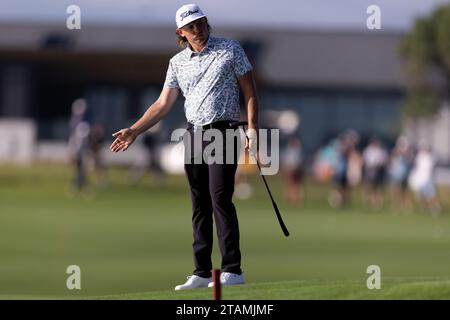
x: 229, y: 279
x: 194, y: 282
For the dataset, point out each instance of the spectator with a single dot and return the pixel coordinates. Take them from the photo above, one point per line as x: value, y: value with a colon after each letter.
x: 355, y: 162
x: 400, y: 166
x: 96, y: 139
x: 347, y: 169
x: 422, y: 182
x: 292, y: 159
x: 150, y: 160
x: 375, y: 159
x: 325, y: 162
x: 79, y: 144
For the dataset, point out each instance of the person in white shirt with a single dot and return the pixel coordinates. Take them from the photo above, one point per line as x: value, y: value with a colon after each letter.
x: 421, y: 180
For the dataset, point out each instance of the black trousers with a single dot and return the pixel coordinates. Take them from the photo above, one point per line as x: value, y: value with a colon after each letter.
x: 211, y: 189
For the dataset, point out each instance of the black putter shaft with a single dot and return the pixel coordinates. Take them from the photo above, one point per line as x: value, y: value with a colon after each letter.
x: 275, y: 207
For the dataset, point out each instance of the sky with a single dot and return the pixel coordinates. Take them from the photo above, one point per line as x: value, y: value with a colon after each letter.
x: 293, y: 14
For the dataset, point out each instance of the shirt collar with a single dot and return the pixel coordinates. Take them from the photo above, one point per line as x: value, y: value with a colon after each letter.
x: 209, y: 45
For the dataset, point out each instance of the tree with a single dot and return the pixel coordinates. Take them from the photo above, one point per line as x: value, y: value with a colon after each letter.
x: 427, y: 52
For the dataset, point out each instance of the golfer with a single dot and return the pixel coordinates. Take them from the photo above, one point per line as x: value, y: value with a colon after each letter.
x: 208, y: 73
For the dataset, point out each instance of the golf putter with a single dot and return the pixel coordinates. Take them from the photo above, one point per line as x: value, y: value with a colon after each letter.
x: 275, y: 207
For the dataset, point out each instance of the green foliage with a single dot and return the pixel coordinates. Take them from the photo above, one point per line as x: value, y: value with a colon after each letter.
x: 427, y: 47
x: 442, y: 38
x: 420, y: 102
x: 418, y: 48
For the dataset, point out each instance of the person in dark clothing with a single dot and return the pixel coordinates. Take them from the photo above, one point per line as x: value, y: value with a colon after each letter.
x: 208, y: 72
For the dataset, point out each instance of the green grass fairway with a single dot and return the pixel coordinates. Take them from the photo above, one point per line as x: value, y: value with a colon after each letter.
x: 134, y: 242
x: 304, y: 290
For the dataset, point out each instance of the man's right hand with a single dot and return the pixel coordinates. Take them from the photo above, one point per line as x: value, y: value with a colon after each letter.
x: 124, y: 138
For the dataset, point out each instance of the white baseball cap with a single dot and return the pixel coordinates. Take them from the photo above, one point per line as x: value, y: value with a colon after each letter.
x: 188, y: 13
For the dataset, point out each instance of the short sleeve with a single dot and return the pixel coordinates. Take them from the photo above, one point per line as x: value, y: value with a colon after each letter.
x: 241, y: 63
x: 171, y: 78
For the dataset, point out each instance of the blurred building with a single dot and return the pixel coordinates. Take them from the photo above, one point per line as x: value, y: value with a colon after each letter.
x: 334, y: 80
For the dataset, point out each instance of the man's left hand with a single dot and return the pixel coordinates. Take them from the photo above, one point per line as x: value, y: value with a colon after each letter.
x: 251, y: 142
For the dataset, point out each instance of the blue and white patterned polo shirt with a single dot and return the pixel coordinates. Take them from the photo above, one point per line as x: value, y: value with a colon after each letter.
x: 208, y: 80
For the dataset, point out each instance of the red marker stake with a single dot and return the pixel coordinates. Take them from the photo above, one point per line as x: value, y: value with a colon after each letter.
x: 217, y: 288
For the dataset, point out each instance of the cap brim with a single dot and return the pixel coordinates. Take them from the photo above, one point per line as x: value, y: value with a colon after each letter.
x: 189, y: 21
